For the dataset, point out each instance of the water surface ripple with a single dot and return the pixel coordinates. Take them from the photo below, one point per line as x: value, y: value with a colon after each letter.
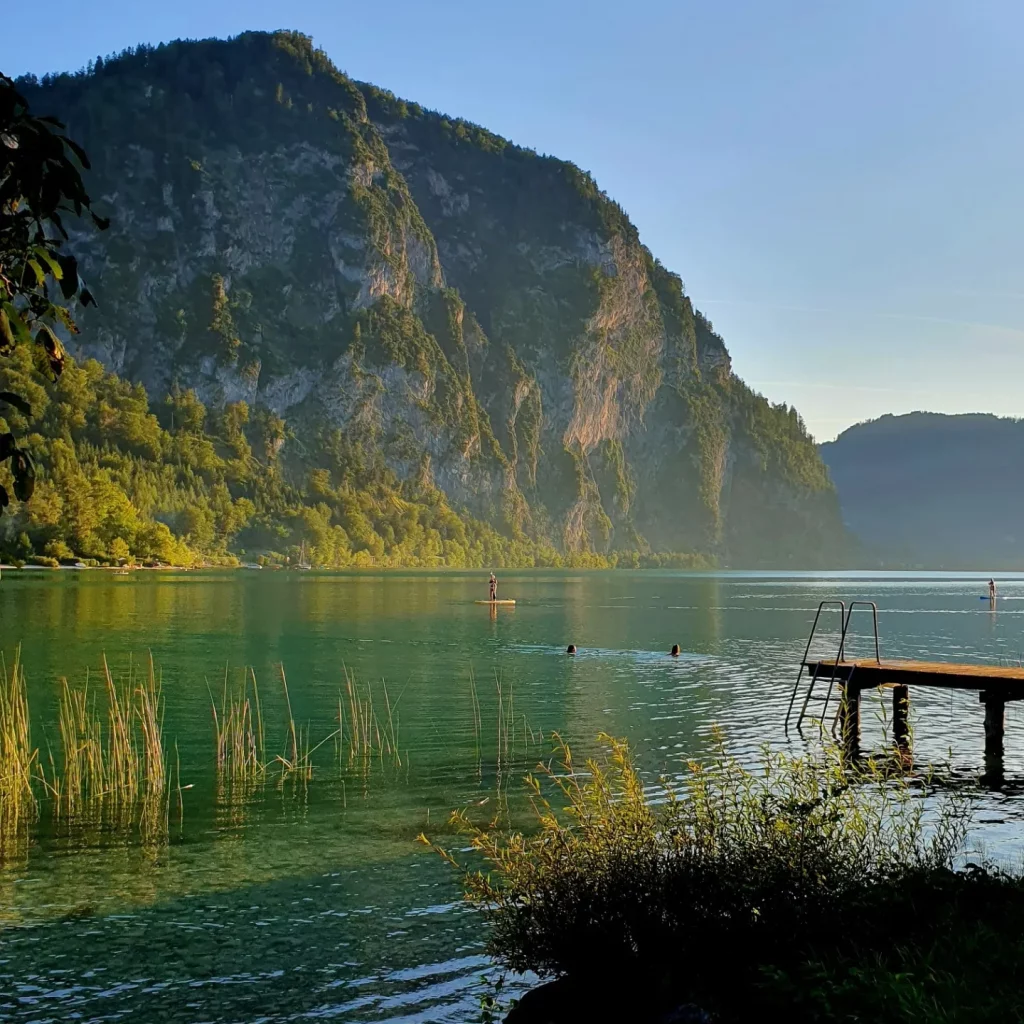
x: 295, y: 902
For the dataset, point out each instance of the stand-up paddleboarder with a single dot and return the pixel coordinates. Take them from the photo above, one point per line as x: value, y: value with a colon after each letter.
x: 494, y: 587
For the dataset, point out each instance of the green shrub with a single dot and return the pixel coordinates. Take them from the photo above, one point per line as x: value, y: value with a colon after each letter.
x: 724, y: 876
x: 728, y: 854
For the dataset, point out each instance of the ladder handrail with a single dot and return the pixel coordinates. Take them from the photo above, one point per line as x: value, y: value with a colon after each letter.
x: 839, y: 657
x: 849, y: 615
x: 796, y: 686
x: 845, y: 622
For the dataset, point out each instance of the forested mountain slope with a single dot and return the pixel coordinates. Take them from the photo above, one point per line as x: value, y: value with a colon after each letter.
x: 934, y: 490
x: 379, y: 306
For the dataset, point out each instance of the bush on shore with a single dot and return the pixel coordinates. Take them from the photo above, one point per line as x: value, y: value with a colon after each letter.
x: 824, y: 890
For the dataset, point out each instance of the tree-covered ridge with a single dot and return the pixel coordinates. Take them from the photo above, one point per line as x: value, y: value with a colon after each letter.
x: 440, y: 309
x: 180, y: 484
x: 933, y: 490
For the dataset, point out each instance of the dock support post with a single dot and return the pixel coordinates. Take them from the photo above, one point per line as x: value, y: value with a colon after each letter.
x: 995, y: 722
x: 901, y: 714
x: 849, y: 716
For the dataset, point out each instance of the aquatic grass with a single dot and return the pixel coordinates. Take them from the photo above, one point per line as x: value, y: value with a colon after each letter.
x: 367, y: 730
x: 109, y: 768
x: 369, y: 737
x: 122, y: 764
x: 19, y: 762
x: 81, y: 733
x: 297, y: 763
x: 113, y: 769
x: 239, y: 733
x: 108, y: 765
x: 477, y: 717
x: 150, y: 710
x: 390, y: 734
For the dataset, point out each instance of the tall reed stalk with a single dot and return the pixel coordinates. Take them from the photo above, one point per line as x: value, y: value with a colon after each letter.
x: 18, y: 761
x: 113, y: 768
x: 297, y: 763
x: 122, y: 760
x: 369, y: 737
x: 81, y: 735
x: 239, y: 733
x: 150, y: 710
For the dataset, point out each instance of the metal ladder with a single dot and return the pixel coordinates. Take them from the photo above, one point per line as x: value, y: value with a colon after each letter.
x: 845, y: 615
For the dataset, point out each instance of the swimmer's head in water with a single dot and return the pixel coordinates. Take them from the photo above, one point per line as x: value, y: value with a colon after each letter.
x: 571, y: 649
x: 675, y: 650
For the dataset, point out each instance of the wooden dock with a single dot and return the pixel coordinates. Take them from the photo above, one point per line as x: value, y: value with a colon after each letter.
x: 869, y: 674
x: 996, y: 686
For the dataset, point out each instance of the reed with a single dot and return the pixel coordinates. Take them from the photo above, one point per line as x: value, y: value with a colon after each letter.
x: 113, y: 770
x: 149, y: 707
x: 297, y: 761
x: 369, y: 736
x: 240, y: 740
x: 121, y: 757
x: 109, y: 767
x: 509, y: 733
x: 474, y: 700
x: 19, y: 761
x: 81, y: 734
x: 506, y: 719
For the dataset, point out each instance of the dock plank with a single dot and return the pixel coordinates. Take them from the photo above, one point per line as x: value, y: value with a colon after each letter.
x: 868, y: 673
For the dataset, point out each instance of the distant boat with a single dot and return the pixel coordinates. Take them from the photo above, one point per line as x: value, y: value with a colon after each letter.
x: 251, y: 565
x: 303, y: 564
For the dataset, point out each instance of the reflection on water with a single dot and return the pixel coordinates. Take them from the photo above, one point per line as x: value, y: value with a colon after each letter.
x: 275, y: 895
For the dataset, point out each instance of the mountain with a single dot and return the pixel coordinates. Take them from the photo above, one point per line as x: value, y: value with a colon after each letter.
x: 934, y: 490
x: 396, y: 306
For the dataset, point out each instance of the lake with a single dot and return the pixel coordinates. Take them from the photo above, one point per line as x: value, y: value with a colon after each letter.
x: 311, y: 899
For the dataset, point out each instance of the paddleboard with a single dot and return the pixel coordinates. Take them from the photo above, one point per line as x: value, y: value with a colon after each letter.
x: 494, y: 602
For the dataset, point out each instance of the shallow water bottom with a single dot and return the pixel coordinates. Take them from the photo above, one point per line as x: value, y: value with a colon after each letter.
x: 310, y: 901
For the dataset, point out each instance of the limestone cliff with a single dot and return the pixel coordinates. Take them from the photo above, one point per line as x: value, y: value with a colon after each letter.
x: 419, y: 299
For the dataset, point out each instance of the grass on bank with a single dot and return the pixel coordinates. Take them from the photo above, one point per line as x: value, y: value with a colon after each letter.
x: 806, y: 888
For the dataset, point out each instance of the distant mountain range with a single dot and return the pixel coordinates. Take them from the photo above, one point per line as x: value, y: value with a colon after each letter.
x: 932, y: 490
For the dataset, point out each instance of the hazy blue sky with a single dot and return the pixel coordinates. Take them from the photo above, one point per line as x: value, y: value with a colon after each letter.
x: 838, y: 183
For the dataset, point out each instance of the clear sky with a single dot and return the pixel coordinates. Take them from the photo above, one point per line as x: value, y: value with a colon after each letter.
x: 839, y: 184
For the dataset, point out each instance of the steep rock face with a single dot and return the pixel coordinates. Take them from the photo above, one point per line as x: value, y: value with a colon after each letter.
x: 440, y: 306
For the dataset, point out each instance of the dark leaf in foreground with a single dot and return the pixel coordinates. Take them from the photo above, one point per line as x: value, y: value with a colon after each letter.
x: 24, y: 475
x: 17, y: 401
x: 53, y: 349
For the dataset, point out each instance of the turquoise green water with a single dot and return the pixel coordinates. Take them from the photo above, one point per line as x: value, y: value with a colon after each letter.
x: 314, y: 901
